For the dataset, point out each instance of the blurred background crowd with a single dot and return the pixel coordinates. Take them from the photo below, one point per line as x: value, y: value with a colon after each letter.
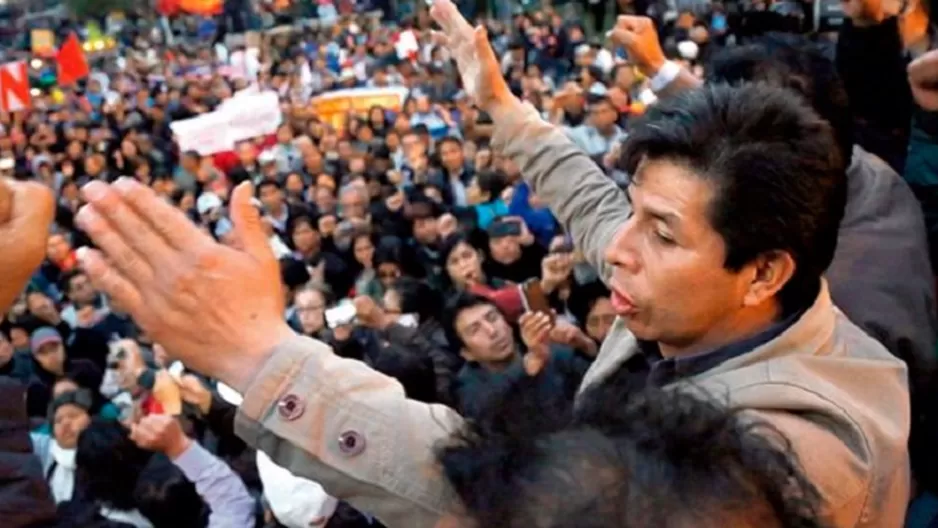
x: 389, y: 211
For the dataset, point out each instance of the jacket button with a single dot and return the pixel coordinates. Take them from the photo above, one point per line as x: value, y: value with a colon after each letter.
x: 351, y: 443
x: 291, y: 407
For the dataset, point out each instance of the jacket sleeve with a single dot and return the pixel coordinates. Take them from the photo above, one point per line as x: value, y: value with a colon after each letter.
x: 25, y: 499
x: 351, y: 429
x: 224, y: 493
x: 589, y: 205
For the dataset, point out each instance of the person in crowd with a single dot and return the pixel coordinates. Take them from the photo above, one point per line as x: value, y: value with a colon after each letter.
x: 494, y: 358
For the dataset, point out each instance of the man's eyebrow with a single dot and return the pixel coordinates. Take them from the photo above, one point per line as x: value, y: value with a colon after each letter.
x: 672, y: 219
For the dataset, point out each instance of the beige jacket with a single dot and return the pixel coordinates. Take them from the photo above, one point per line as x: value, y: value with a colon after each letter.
x: 839, y: 395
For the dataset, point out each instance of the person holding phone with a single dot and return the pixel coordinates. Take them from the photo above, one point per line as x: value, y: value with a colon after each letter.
x: 513, y: 255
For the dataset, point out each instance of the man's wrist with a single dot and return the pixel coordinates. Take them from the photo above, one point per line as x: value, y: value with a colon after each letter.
x: 653, y: 67
x: 178, y: 447
x: 240, y: 371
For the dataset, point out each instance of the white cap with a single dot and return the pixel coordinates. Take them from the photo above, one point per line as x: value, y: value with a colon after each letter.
x: 266, y: 156
x: 688, y: 49
x: 207, y: 202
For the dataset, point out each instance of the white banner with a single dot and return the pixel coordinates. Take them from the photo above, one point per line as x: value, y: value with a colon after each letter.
x: 201, y: 134
x: 249, y: 116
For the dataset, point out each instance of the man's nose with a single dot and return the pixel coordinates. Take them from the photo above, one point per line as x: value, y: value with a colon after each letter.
x: 621, y: 252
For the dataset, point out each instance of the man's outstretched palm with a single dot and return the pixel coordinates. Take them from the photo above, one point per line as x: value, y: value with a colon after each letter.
x: 478, y: 67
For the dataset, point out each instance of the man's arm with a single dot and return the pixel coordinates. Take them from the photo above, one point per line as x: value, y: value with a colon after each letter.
x: 352, y: 430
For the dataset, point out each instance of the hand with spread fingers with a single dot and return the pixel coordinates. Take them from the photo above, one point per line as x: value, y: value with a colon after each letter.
x: 217, y: 309
x: 26, y: 212
x: 479, y: 68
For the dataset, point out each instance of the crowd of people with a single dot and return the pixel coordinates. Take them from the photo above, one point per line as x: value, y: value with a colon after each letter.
x: 675, y: 271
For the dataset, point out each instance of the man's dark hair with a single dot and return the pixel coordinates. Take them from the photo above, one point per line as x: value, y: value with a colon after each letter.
x: 455, y: 305
x: 795, y: 62
x: 65, y: 281
x: 628, y: 457
x: 268, y: 183
x: 108, y: 464
x: 166, y: 497
x: 418, y: 297
x: 778, y: 177
x: 492, y: 182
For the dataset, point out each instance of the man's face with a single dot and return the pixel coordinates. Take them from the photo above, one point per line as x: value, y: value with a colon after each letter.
x: 425, y: 230
x: 57, y: 248
x: 80, y: 290
x: 271, y: 197
x: 310, y: 310
x: 486, y: 335
x: 668, y: 261
x: 451, y: 155
x: 325, y: 198
x: 51, y: 357
x: 505, y: 250
x: 603, y: 115
x: 69, y: 421
x: 354, y: 204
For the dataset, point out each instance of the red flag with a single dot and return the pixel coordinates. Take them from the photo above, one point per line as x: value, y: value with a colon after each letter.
x: 72, y: 62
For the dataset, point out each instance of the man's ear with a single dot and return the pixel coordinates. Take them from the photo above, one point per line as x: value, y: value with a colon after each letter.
x: 770, y: 272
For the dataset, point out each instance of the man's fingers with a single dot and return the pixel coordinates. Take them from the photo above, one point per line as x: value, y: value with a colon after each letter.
x: 623, y: 37
x: 445, y: 13
x: 110, y: 281
x: 124, y: 258
x: 631, y: 23
x: 171, y: 223
x: 247, y: 223
x: 483, y: 46
x: 126, y: 223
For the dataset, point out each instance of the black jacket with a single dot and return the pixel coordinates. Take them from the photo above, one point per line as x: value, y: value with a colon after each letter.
x: 25, y: 499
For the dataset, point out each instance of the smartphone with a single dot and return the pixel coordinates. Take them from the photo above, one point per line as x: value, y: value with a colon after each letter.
x: 534, y: 298
x: 340, y: 315
x: 501, y: 228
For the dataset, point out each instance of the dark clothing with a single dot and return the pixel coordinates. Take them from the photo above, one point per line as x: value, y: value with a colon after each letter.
x: 526, y: 267
x: 25, y: 499
x: 39, y: 392
x: 871, y: 62
x: 477, y: 386
x: 664, y: 371
x: 20, y: 367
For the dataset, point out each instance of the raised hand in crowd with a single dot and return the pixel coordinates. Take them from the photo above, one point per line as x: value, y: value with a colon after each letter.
x: 555, y: 270
x: 160, y: 433
x: 637, y: 34
x: 568, y: 334
x: 176, y: 281
x: 26, y: 212
x: 475, y: 58
x: 535, y: 333
x: 194, y: 392
x: 370, y: 315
